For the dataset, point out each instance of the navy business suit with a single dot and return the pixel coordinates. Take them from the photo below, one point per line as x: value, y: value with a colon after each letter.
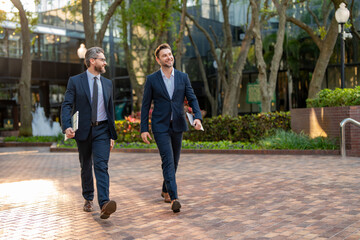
x: 93, y: 141
x: 167, y: 132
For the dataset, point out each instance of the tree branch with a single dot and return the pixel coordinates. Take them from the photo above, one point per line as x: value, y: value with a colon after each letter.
x: 179, y: 40
x: 93, y: 11
x: 307, y: 29
x: 215, y: 36
x: 110, y: 12
x: 326, y: 12
x: 207, y: 35
x: 353, y: 30
x: 228, y: 42
x: 202, y: 70
x: 313, y: 14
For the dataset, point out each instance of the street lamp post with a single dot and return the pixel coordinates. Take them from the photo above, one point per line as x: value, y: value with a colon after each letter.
x: 342, y: 15
x: 81, y: 54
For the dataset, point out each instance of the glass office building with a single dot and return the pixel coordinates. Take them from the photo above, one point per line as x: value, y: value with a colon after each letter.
x: 55, y: 40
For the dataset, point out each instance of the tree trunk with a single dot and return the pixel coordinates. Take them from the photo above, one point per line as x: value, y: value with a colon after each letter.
x: 290, y: 87
x: 326, y: 48
x: 179, y: 40
x: 228, y: 81
x: 229, y: 75
x: 232, y: 93
x: 326, y: 51
x: 212, y: 99
x: 278, y: 52
x: 129, y: 61
x: 88, y: 22
x: 267, y: 87
x: 261, y: 65
x: 25, y: 79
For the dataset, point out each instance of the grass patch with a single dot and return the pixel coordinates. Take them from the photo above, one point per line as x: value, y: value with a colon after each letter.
x: 135, y: 145
x: 34, y: 139
x: 290, y: 140
x: 217, y: 145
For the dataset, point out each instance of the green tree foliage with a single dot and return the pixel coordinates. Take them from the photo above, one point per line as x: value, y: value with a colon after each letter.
x: 151, y: 24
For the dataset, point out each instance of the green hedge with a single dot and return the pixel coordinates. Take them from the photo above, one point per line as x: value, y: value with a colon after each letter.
x: 247, y: 128
x: 335, y: 98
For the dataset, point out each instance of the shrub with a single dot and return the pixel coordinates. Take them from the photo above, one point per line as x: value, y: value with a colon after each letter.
x: 247, y: 128
x: 335, y: 98
x: 128, y: 130
x: 290, y: 140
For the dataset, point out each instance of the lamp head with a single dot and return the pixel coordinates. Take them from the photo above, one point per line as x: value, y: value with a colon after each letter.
x: 342, y: 14
x: 81, y: 51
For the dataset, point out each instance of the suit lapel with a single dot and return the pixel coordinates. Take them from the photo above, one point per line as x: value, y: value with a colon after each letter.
x: 162, y: 84
x: 176, y: 81
x: 85, y: 85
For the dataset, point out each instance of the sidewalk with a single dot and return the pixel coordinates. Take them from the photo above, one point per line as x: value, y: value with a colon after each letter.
x: 224, y: 196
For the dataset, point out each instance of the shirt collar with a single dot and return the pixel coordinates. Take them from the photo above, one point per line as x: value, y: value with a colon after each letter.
x: 91, y: 76
x: 163, y: 74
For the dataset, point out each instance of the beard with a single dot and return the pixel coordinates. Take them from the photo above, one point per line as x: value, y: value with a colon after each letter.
x: 100, y: 69
x: 167, y: 65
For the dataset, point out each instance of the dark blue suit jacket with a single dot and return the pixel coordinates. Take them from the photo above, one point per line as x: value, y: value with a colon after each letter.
x: 155, y: 90
x: 78, y: 98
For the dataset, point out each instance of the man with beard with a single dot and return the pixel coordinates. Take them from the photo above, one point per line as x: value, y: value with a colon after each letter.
x: 168, y: 88
x: 91, y: 95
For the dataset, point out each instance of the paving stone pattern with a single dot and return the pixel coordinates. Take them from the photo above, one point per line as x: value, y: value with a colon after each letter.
x: 224, y: 196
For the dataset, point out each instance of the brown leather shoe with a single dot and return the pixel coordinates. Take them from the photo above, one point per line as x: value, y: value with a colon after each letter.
x: 88, y: 206
x: 166, y: 197
x: 175, y: 205
x: 108, y: 209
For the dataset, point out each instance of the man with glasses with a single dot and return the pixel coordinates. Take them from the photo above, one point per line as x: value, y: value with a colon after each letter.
x: 91, y: 95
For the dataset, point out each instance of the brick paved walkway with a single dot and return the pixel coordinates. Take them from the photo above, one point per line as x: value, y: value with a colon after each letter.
x: 223, y: 197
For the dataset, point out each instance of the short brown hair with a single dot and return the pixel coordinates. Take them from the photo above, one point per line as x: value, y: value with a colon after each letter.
x: 161, y: 47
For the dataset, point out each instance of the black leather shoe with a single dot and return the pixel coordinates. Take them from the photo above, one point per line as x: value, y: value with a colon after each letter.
x: 88, y: 206
x: 108, y: 209
x: 175, y: 206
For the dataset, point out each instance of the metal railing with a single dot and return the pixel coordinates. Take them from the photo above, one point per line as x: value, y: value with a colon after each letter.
x: 342, y: 133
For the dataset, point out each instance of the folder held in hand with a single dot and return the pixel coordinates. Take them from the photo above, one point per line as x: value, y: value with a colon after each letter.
x: 75, y: 123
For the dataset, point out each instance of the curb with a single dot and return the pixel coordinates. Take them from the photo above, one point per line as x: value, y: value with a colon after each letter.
x: 25, y: 144
x: 53, y: 148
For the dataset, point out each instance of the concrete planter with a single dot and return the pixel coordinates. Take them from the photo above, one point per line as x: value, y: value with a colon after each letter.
x: 326, y: 122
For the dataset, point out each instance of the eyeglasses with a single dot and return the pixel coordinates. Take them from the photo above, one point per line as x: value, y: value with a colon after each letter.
x: 101, y: 59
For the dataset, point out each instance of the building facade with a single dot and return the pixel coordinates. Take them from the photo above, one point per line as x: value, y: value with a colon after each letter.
x: 59, y: 33
x: 55, y: 40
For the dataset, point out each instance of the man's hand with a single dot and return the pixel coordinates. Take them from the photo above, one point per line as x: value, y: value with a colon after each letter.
x: 69, y: 132
x: 197, y: 124
x: 112, y: 144
x: 145, y: 136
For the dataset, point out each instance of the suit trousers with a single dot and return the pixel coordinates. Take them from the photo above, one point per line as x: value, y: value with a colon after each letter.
x: 95, y: 150
x: 169, y: 145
